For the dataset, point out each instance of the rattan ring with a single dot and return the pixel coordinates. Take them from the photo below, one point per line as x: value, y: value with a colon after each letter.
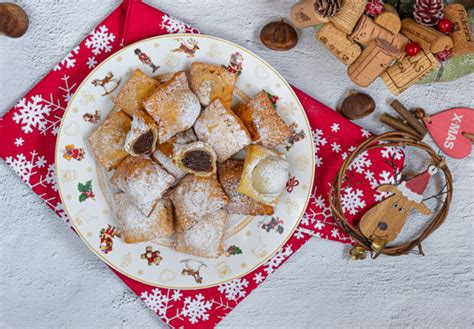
x: 400, y: 139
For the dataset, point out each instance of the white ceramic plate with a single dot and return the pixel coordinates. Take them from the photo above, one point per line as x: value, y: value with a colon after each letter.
x: 249, y: 241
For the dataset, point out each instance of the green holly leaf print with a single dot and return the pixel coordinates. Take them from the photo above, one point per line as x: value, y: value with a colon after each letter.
x: 82, y: 197
x: 87, y: 187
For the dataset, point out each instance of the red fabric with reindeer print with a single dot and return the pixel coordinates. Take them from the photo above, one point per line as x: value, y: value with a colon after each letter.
x: 29, y: 132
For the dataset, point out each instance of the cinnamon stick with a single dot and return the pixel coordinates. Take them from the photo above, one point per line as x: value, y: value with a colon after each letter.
x: 411, y: 119
x: 397, y: 124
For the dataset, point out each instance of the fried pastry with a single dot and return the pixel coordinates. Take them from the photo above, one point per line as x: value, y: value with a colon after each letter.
x: 143, y: 134
x: 173, y: 106
x: 139, y: 86
x: 264, y: 175
x: 210, y: 82
x: 108, y: 140
x: 136, y: 227
x: 164, y: 153
x: 143, y: 180
x: 229, y: 174
x: 219, y: 127
x: 195, y: 158
x: 203, y: 239
x: 194, y: 197
x: 263, y: 122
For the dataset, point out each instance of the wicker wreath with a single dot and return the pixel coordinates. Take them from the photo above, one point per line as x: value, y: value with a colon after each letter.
x: 363, y: 244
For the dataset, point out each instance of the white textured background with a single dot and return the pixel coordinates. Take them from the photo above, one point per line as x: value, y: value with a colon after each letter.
x: 48, y: 277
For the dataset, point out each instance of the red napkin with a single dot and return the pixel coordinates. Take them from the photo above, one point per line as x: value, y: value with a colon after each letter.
x: 29, y: 132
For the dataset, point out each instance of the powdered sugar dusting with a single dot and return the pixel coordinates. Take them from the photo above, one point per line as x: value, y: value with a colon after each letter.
x: 143, y: 180
x: 204, y: 238
x: 263, y: 122
x: 222, y: 130
x: 136, y: 227
x: 195, y: 197
x: 229, y: 176
x: 141, y: 124
x: 174, y: 106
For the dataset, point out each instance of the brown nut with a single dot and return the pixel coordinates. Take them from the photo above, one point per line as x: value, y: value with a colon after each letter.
x: 13, y: 20
x: 357, y: 105
x: 279, y: 35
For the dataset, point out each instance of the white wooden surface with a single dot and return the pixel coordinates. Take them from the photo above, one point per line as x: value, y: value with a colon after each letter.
x: 48, y: 278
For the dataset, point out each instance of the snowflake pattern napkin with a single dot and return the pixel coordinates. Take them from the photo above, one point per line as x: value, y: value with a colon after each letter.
x: 30, y: 128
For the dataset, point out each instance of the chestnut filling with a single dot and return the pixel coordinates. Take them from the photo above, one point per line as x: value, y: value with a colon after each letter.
x: 144, y: 143
x: 197, y: 160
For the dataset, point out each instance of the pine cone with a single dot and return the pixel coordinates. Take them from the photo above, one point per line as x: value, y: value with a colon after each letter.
x: 327, y: 8
x: 428, y: 12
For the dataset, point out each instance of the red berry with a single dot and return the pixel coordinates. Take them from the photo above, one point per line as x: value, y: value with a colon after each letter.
x: 412, y: 49
x: 445, y: 25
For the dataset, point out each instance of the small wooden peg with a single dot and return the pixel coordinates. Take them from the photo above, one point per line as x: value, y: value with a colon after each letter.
x: 462, y: 35
x: 347, y: 17
x: 337, y: 42
x: 405, y: 73
x: 389, y: 19
x: 372, y: 62
x: 303, y: 15
x: 428, y: 38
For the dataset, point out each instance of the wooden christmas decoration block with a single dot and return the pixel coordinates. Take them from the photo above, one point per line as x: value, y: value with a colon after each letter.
x: 367, y: 31
x: 389, y: 19
x: 450, y: 129
x: 303, y: 15
x: 383, y: 222
x: 372, y: 62
x: 348, y: 15
x: 428, y: 38
x: 337, y: 42
x: 463, y: 42
x: 408, y: 71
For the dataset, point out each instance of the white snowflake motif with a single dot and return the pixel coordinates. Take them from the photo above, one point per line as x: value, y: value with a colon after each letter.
x: 59, y: 210
x: 50, y: 177
x: 21, y: 166
x: 334, y: 232
x: 40, y: 162
x: 69, y: 61
x: 32, y: 114
x: 155, y: 300
x: 335, y: 147
x: 351, y: 200
x: 319, y: 201
x: 319, y: 225
x: 360, y: 163
x: 386, y: 177
x: 177, y: 294
x: 235, y: 289
x: 365, y: 133
x: 173, y: 25
x: 258, y: 278
x: 196, y: 309
x: 19, y: 142
x: 40, y: 113
x: 318, y: 138
x: 394, y: 152
x: 344, y: 155
x: 282, y: 254
x: 318, y: 161
x: 335, y: 127
x: 100, y: 40
x: 91, y: 62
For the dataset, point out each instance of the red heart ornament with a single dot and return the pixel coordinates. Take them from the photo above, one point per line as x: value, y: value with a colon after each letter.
x: 447, y: 127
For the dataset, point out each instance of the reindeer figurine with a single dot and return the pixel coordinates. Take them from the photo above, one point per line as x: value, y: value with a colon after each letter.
x: 189, y: 47
x: 383, y: 222
x: 109, y: 78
